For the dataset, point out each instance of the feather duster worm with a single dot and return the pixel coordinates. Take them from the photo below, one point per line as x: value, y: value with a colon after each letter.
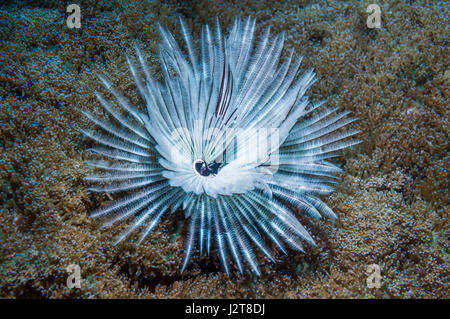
x: 227, y: 137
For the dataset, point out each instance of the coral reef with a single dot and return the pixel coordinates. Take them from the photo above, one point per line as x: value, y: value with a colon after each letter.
x: 392, y: 204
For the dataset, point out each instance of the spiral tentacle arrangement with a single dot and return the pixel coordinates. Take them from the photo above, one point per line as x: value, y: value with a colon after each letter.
x: 228, y: 136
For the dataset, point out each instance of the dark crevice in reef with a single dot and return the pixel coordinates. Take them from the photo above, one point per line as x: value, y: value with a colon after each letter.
x: 151, y: 277
x: 28, y: 291
x: 148, y: 277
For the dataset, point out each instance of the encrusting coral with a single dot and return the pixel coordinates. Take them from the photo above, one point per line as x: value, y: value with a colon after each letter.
x: 392, y: 203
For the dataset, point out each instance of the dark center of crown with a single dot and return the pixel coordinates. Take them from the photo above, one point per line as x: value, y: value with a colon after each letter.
x: 203, y: 169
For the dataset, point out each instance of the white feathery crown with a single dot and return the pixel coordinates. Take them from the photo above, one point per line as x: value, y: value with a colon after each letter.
x: 229, y: 136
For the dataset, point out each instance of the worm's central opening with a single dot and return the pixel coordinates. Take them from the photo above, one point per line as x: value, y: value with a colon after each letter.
x: 203, y: 169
